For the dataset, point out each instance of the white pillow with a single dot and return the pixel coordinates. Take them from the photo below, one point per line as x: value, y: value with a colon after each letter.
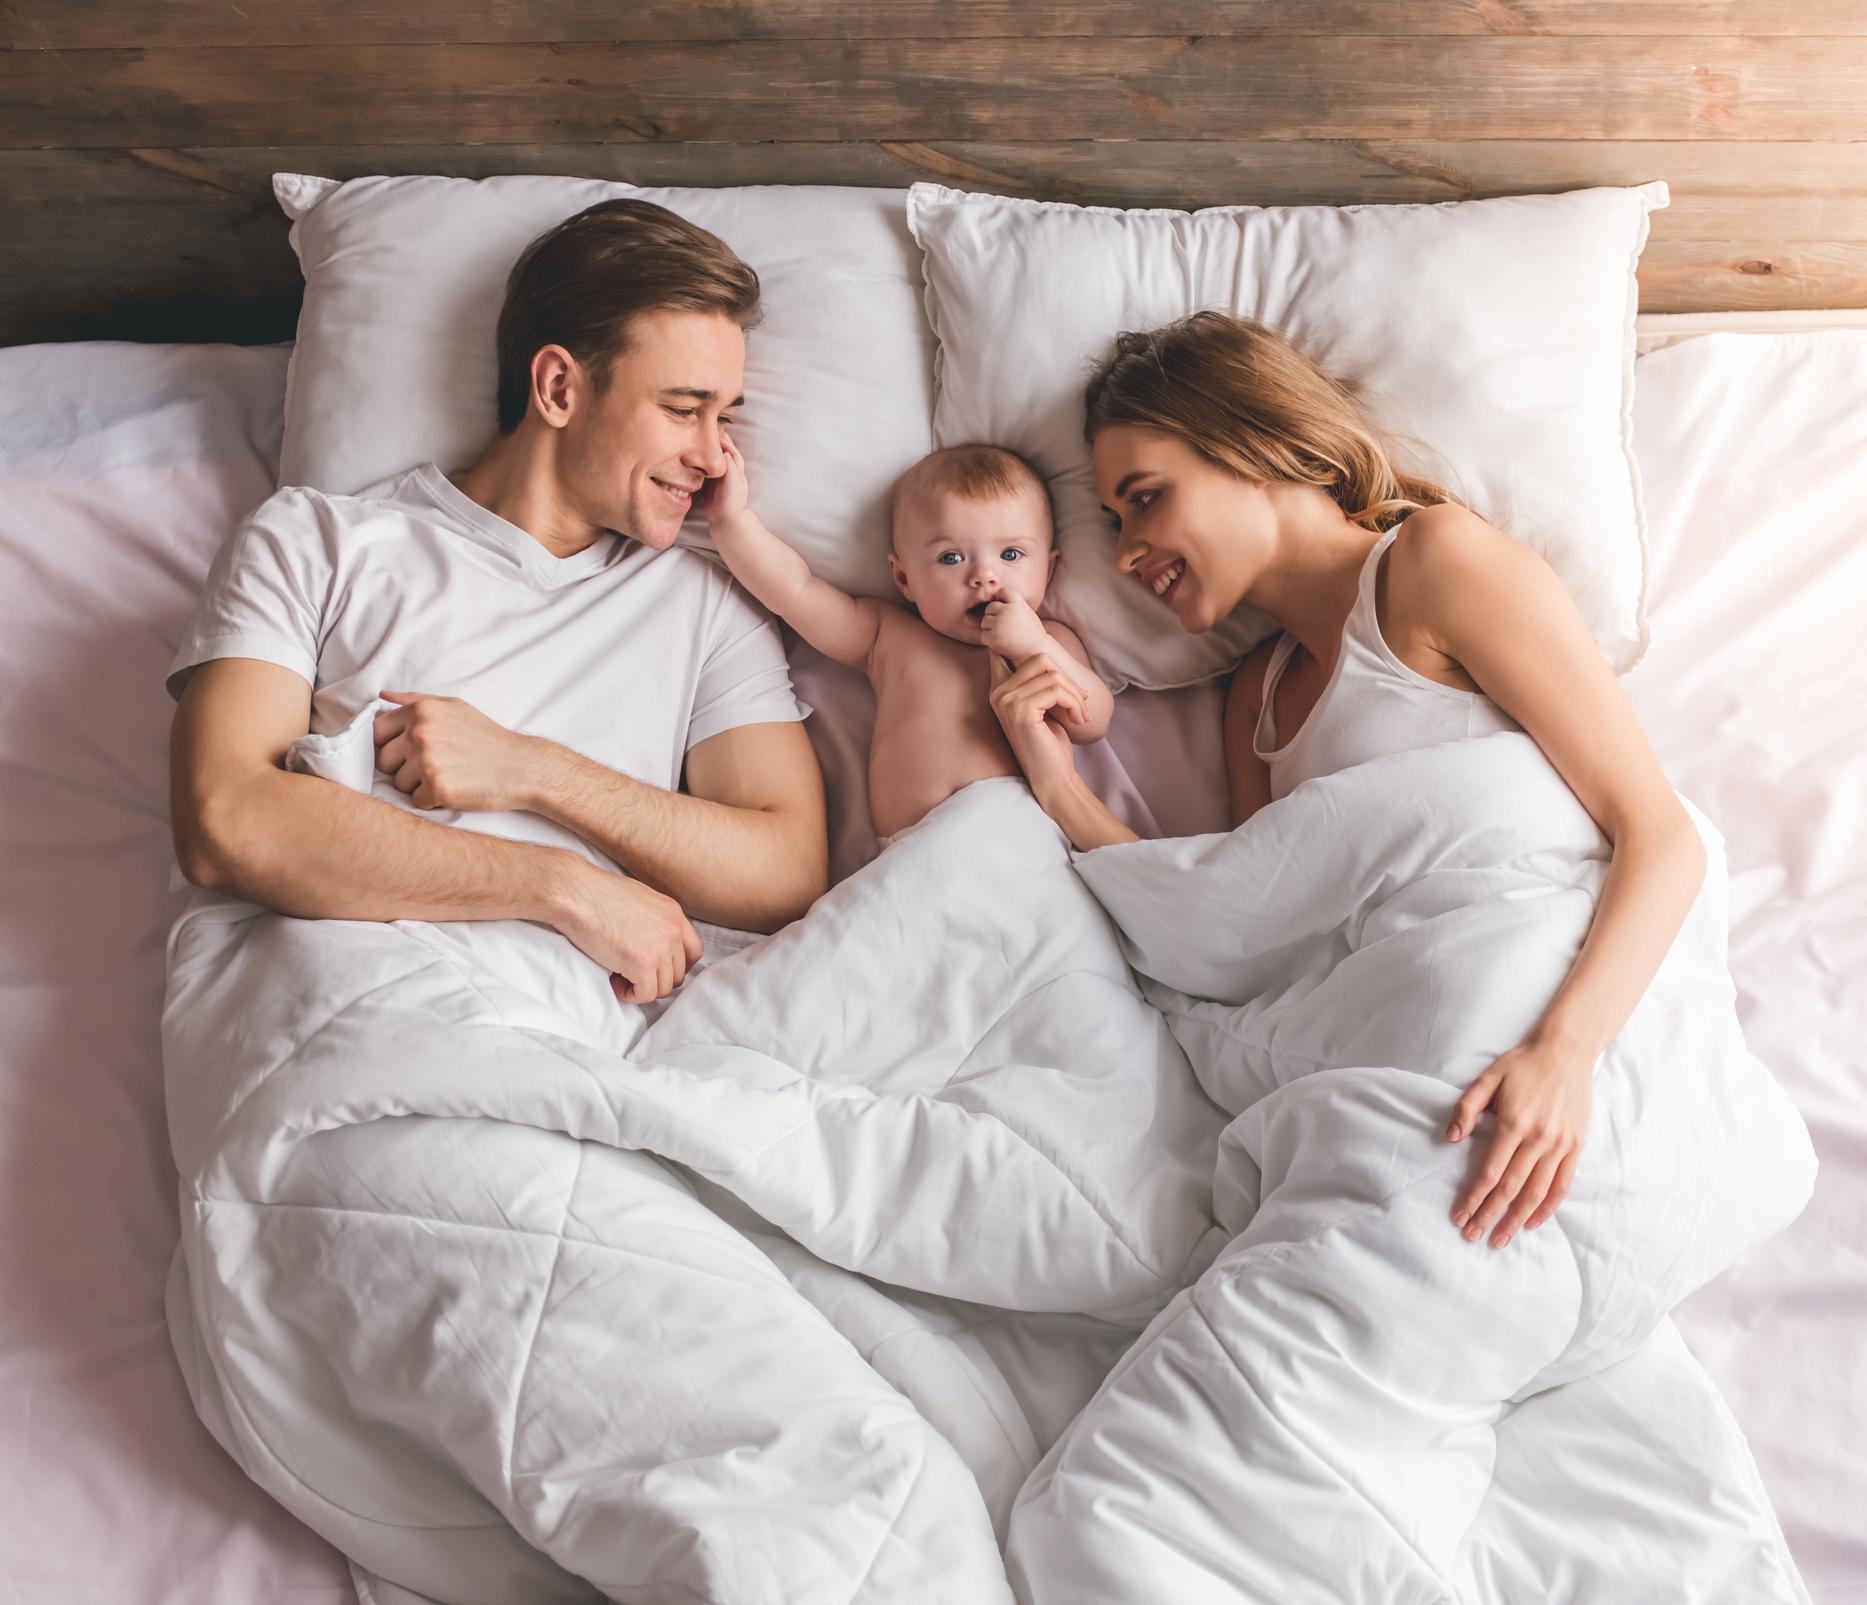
x: 1494, y: 339
x: 395, y: 363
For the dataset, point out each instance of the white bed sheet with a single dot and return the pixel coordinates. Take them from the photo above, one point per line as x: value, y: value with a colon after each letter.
x: 121, y: 467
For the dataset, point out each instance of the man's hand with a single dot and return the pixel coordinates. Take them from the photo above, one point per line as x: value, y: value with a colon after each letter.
x: 444, y: 753
x: 1013, y: 631
x: 634, y: 931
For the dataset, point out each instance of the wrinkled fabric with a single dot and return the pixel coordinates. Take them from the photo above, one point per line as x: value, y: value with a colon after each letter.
x: 447, y: 1290
x: 1318, y: 1417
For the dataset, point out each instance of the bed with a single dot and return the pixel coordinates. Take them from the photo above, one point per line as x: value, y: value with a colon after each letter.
x: 121, y: 469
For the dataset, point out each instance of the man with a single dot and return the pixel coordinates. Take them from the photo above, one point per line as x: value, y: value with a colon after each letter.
x: 486, y: 1352
x: 621, y: 350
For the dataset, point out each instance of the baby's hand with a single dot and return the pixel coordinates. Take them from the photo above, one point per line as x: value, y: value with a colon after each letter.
x: 721, y: 498
x: 1013, y: 631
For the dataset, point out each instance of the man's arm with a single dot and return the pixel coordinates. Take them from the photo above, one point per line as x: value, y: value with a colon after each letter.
x: 311, y: 848
x: 744, y: 846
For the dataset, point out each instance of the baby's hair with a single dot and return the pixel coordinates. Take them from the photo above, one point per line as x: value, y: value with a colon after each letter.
x: 974, y: 473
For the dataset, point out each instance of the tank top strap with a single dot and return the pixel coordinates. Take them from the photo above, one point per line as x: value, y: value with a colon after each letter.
x: 1363, y: 625
x: 1264, y: 737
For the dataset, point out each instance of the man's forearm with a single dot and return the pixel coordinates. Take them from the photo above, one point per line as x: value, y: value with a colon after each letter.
x: 308, y: 847
x: 748, y: 868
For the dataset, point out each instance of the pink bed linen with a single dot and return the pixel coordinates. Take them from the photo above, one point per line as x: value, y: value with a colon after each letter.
x: 121, y: 468
x: 1753, y: 452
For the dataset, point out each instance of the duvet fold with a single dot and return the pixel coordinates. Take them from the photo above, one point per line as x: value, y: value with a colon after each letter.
x: 1318, y: 1418
x: 448, y: 1288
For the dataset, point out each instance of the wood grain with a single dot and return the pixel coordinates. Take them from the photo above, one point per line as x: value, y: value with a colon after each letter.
x: 188, y: 244
x: 1697, y: 276
x: 926, y: 91
x: 1786, y: 192
x: 104, y: 24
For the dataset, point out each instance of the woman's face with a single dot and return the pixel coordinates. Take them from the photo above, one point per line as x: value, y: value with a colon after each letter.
x: 1195, y: 534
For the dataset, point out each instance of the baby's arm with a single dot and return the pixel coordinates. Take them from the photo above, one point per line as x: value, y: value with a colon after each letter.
x: 839, y: 626
x: 1017, y: 634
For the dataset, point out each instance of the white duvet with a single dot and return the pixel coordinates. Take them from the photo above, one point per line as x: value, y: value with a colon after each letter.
x: 437, y: 1296
x: 1320, y: 1417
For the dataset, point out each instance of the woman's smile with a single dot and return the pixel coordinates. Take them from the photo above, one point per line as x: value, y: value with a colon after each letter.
x: 1163, y: 579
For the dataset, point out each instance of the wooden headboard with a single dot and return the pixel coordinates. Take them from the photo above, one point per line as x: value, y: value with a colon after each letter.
x: 137, y: 137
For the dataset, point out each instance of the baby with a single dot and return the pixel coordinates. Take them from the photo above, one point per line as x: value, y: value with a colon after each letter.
x: 972, y: 553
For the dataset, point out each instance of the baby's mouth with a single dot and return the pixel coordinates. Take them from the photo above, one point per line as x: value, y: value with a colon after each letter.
x: 977, y: 610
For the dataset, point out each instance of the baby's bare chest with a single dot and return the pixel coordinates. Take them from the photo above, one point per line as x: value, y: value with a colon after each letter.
x: 921, y: 675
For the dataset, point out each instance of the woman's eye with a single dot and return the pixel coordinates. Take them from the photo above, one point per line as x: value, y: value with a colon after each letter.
x: 1011, y: 554
x: 1142, y: 500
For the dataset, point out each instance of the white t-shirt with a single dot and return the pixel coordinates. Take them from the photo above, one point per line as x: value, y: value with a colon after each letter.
x: 627, y: 655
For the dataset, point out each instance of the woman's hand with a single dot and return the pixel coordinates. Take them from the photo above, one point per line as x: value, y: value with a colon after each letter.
x: 1023, y: 702
x: 1540, y: 1096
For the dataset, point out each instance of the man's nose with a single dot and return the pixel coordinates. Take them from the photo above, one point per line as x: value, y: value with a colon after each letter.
x: 708, y: 454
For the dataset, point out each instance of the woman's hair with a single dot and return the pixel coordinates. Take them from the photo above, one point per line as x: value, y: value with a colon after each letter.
x: 1244, y: 396
x: 583, y: 284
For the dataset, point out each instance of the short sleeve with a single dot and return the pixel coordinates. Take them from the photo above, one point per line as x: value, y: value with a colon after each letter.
x: 265, y: 593
x: 744, y: 678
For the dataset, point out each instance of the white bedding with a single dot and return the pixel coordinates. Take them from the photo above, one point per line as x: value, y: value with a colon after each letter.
x: 1013, y: 1126
x: 1316, y: 1419
x: 122, y: 467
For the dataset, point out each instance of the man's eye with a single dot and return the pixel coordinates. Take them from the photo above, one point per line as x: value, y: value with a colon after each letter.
x: 682, y: 412
x: 948, y: 559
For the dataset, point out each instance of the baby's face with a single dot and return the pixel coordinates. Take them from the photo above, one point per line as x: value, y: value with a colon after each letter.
x: 953, y: 556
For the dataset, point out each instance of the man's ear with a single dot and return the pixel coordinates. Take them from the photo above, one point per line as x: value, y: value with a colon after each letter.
x: 900, y: 576
x: 557, y: 382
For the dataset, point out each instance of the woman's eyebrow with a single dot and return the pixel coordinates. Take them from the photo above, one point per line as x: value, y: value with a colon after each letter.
x: 1121, y: 490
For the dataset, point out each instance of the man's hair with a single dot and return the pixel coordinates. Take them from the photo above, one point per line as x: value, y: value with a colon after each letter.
x: 974, y: 473
x: 583, y: 284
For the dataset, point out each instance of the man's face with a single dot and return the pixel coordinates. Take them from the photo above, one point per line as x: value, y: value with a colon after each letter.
x: 953, y: 556
x: 635, y: 454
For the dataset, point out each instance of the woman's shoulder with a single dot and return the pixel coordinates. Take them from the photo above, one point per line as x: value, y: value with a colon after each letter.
x: 1444, y: 554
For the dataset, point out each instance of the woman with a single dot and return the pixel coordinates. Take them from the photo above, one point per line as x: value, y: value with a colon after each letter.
x: 1239, y: 473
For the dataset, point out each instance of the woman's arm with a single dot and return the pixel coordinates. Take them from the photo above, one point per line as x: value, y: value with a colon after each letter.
x: 1041, y: 745
x: 1460, y: 596
x: 1066, y: 646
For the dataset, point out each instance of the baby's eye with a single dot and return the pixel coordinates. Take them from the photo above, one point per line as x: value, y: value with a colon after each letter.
x: 948, y: 559
x: 1011, y: 554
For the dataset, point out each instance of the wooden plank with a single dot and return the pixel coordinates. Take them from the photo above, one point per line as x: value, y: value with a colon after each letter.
x: 1703, y: 276
x: 188, y: 244
x: 1782, y: 192
x: 925, y: 91
x: 108, y: 24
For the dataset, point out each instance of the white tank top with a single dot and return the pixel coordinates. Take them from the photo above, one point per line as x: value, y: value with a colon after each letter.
x: 1373, y: 704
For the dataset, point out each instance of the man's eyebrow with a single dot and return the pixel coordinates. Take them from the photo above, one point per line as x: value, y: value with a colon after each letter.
x: 697, y: 394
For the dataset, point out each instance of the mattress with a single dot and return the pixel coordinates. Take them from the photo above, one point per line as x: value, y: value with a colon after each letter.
x: 122, y: 467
